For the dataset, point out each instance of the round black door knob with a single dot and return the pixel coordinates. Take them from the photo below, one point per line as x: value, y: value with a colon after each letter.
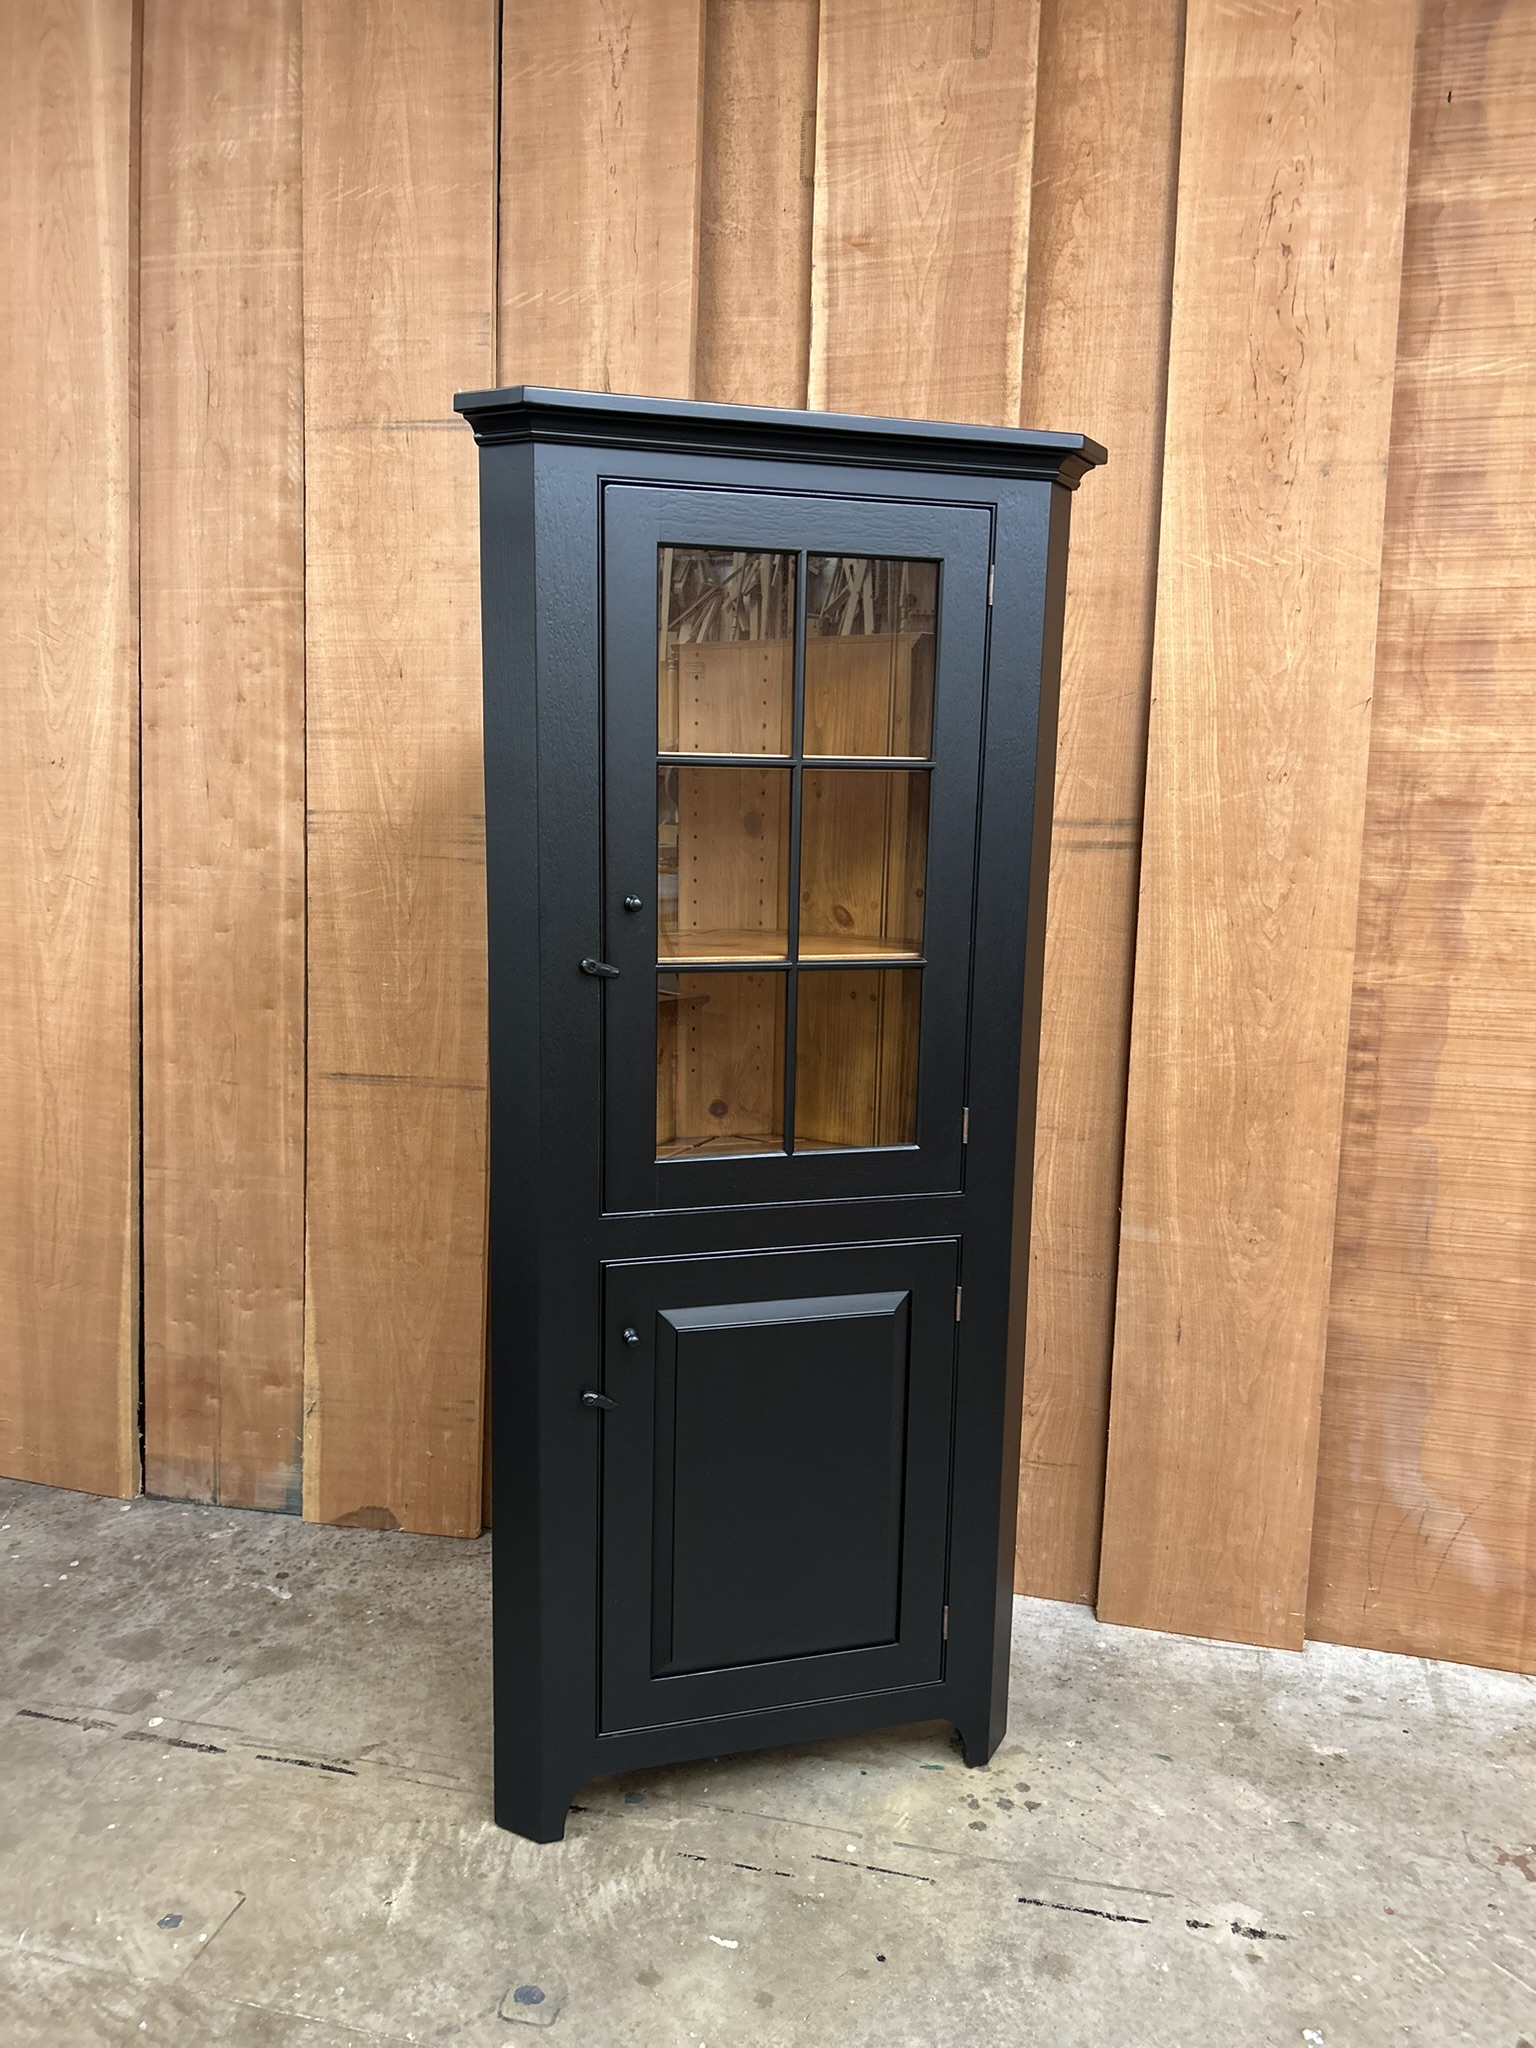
x: 633, y: 903
x: 631, y: 1336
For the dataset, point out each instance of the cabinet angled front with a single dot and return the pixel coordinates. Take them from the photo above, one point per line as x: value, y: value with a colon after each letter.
x: 767, y: 696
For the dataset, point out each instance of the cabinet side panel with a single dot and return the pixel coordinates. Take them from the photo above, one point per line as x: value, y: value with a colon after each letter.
x: 1013, y: 855
x: 68, y: 751
x: 399, y: 248
x: 1425, y: 1539
x: 1293, y: 158
x: 222, y: 592
x: 517, y: 1475
x: 1096, y: 357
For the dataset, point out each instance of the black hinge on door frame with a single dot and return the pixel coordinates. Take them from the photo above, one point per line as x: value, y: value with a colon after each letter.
x: 965, y: 1125
x: 944, y: 1626
x: 958, y: 1292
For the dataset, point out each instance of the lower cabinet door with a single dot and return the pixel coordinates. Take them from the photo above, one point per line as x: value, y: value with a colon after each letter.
x: 775, y: 1478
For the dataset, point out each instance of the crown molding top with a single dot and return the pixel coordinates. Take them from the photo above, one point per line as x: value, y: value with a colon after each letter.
x: 528, y: 412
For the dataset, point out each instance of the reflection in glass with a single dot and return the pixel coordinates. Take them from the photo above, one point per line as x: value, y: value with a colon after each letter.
x: 869, y: 655
x: 722, y: 863
x: 724, y: 651
x: 856, y: 1057
x: 863, y: 862
x: 719, y: 1063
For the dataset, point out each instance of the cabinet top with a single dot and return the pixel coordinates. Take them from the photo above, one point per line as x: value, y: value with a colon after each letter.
x: 602, y: 419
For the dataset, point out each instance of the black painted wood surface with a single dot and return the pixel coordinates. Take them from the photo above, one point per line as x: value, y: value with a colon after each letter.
x: 786, y: 1509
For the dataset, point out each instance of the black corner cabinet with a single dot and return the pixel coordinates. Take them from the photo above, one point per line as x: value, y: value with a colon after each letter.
x: 769, y: 700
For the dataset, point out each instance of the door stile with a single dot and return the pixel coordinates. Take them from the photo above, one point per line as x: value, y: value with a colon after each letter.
x: 796, y: 798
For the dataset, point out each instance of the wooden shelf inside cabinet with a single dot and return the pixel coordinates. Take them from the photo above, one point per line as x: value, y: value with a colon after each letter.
x: 713, y: 948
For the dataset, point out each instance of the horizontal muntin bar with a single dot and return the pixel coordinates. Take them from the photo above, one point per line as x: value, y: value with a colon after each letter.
x: 875, y: 962
x: 789, y: 760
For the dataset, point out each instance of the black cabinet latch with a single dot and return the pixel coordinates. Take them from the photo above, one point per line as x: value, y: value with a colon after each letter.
x: 592, y: 1399
x: 601, y: 968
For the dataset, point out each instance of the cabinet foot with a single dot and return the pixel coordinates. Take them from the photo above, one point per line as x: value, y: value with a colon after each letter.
x: 533, y: 1811
x: 978, y: 1740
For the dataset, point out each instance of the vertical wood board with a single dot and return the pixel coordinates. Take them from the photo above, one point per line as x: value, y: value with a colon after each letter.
x: 1293, y: 156
x: 222, y: 594
x: 399, y: 241
x: 602, y: 107
x: 1097, y: 313
x: 68, y: 749
x: 758, y: 178
x: 1425, y: 1539
x: 924, y: 145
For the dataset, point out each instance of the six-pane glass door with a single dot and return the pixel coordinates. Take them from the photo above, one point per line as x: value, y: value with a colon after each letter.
x: 792, y: 816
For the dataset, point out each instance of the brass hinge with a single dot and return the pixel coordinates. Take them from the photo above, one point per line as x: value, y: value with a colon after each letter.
x: 957, y: 1304
x: 965, y: 1125
x: 991, y: 576
x: 946, y: 1625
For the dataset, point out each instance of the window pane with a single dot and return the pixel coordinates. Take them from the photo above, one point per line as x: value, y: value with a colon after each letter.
x: 722, y: 863
x: 863, y: 862
x: 869, y: 655
x: 719, y: 1064
x: 725, y: 651
x: 856, y: 1057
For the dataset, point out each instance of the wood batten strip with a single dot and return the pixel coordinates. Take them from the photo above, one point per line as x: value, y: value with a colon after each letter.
x: 399, y: 253
x: 1425, y: 1539
x: 1293, y: 156
x: 759, y: 173
x: 602, y: 109
x: 222, y: 568
x: 924, y: 146
x: 1096, y: 356
x: 68, y: 749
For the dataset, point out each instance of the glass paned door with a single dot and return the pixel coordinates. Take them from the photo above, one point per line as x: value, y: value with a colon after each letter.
x: 728, y: 837
x: 812, y: 721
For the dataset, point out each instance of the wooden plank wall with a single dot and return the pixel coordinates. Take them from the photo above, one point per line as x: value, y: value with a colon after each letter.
x: 1426, y: 1524
x: 68, y: 748
x: 1174, y: 227
x: 222, y: 649
x: 399, y: 311
x: 602, y: 125
x: 759, y: 181
x: 1292, y: 168
x: 1097, y: 313
x: 924, y: 155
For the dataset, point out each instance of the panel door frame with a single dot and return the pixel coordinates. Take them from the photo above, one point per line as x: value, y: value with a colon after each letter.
x: 637, y: 520
x: 636, y: 1294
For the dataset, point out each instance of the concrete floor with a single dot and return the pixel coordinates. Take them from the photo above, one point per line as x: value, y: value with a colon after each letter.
x: 244, y: 1799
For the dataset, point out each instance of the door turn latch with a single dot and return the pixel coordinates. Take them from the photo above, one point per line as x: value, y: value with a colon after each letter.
x: 600, y: 968
x: 592, y: 1399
